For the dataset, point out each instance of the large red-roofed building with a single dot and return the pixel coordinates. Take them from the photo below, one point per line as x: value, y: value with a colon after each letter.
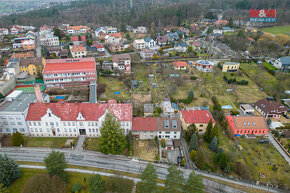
x: 74, y: 119
x: 60, y: 73
x: 200, y: 118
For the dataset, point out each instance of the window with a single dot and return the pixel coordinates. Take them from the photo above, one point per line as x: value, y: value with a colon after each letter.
x: 70, y: 130
x: 47, y: 130
x: 159, y: 132
x: 201, y: 125
x: 46, y: 123
x: 31, y: 130
x: 19, y: 123
x: 75, y: 130
x: 12, y: 123
x: 58, y: 130
x: 65, y: 129
x: 40, y: 130
x: 238, y: 131
x: 14, y: 130
x: 64, y: 124
x: 51, y: 123
x: 81, y: 124
x: 94, y: 130
x: 22, y: 130
x: 36, y: 130
x: 174, y: 136
x: 7, y: 130
x: 18, y: 118
x: 11, y: 118
x: 34, y: 123
x: 90, y: 130
x: 68, y: 124
x: 39, y: 124
x: 89, y: 124
x: 29, y: 123
x: 174, y: 132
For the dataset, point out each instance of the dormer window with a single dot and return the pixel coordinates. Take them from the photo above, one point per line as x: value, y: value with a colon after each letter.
x: 245, y: 124
x: 249, y: 123
x: 254, y: 123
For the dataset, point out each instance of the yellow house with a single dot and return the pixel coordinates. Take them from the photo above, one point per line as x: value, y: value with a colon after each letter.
x: 230, y: 67
x: 33, y: 66
x: 179, y: 65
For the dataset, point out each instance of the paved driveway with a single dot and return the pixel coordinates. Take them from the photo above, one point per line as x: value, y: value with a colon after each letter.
x: 172, y: 156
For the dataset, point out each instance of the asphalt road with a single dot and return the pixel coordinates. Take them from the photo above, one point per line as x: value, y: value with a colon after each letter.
x: 119, y: 163
x: 38, y: 46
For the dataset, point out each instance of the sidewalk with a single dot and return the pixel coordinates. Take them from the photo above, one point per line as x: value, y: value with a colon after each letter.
x: 79, y: 145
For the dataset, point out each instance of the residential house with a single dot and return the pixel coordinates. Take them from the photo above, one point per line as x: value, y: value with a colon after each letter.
x: 60, y: 73
x: 117, y: 47
x: 33, y: 66
x: 168, y: 127
x: 4, y: 31
x: 283, y: 63
x: 217, y: 31
x: 148, y: 110
x: 49, y: 40
x: 14, y: 111
x: 181, y: 47
x: 180, y: 65
x: 144, y: 127
x: 173, y: 36
x: 141, y: 30
x: 12, y: 67
x: 122, y: 62
x: 167, y: 109
x: 63, y: 54
x: 227, y: 29
x: 14, y: 30
x: 100, y: 48
x: 230, y: 67
x: 77, y: 29
x: 31, y: 35
x: 28, y: 44
x: 247, y: 109
x: 75, y: 119
x: 147, y: 54
x: 247, y: 125
x: 200, y: 118
x: 139, y: 44
x: 272, y: 109
x: 78, y: 51
x: 196, y: 45
x: 162, y: 40
x: 113, y: 38
x: 105, y: 30
x: 222, y: 22
x: 149, y: 43
x: 204, y: 65
x: 22, y: 55
x: 53, y: 50
x: 107, y: 65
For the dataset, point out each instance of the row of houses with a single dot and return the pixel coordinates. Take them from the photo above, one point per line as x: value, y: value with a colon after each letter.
x: 16, y: 29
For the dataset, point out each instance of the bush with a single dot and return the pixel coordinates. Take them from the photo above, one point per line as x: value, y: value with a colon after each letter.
x: 43, y: 183
x: 9, y: 170
x: 182, y: 163
x: 76, y: 187
x: 193, y: 155
x: 163, y: 143
x: 17, y: 139
x: 118, y: 185
x: 275, y: 167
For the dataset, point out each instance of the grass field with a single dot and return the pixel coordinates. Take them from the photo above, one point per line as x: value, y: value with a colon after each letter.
x: 50, y: 142
x: 278, y: 30
x: 145, y: 149
x: 93, y: 144
x: 114, y: 85
x: 269, y: 66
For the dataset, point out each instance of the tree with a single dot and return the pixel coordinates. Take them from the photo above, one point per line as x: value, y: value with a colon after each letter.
x: 130, y: 140
x: 148, y: 179
x: 67, y: 38
x: 193, y: 142
x: 200, y: 163
x: 17, y: 139
x: 193, y: 155
x: 43, y: 183
x: 123, y: 28
x: 223, y: 161
x: 189, y: 49
x: 128, y: 36
x: 213, y: 144
x: 215, y: 131
x: 57, y: 33
x: 96, y: 184
x: 163, y: 143
x: 191, y: 129
x: 174, y: 180
x: 3, y: 189
x: 113, y: 140
x: 208, y: 133
x: 9, y: 170
x: 55, y: 164
x: 190, y: 96
x: 194, y: 183
x: 231, y: 23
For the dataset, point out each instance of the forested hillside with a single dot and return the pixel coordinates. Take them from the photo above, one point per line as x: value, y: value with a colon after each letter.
x: 144, y: 12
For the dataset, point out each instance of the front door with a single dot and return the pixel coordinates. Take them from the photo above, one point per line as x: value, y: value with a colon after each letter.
x: 53, y: 131
x: 82, y: 131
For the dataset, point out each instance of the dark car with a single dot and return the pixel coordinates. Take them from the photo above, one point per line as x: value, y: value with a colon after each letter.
x: 264, y: 141
x: 286, y: 116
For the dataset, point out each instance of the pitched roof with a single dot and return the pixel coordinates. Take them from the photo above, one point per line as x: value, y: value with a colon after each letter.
x: 76, y: 28
x: 69, y: 65
x: 179, y: 64
x: 148, y: 39
x: 162, y: 39
x: 285, y: 61
x: 99, y: 46
x: 249, y: 122
x: 23, y: 55
x: 27, y: 61
x: 78, y: 48
x: 197, y: 116
x: 168, y: 124
x: 270, y: 107
x: 144, y: 124
x: 196, y: 44
x: 121, y: 57
x: 116, y: 35
x: 70, y: 111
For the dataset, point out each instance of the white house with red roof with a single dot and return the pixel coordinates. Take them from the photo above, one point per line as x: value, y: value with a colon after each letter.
x: 4, y: 31
x: 60, y: 73
x: 144, y: 127
x: 15, y: 30
x: 200, y: 118
x: 74, y: 119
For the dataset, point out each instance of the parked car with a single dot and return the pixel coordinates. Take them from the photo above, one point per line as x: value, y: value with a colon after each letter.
x: 264, y: 141
x: 286, y: 116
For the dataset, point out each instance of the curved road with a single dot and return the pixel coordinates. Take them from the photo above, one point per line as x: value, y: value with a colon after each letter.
x: 119, y: 163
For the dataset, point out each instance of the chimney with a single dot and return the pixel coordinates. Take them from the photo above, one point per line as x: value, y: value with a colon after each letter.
x: 38, y: 94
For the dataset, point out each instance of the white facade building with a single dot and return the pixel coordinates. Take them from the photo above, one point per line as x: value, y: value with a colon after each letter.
x: 4, y: 31
x: 49, y: 40
x: 139, y: 44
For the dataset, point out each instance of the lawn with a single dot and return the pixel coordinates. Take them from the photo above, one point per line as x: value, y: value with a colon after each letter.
x: 278, y: 30
x: 93, y: 144
x: 269, y: 66
x: 114, y: 85
x: 141, y: 73
x: 145, y: 149
x: 50, y: 142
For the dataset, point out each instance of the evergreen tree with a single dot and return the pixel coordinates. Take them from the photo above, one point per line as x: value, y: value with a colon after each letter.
x: 96, y: 183
x: 189, y: 49
x: 223, y: 161
x: 174, y: 180
x: 55, y: 164
x: 215, y: 131
x: 200, y: 163
x: 188, y: 133
x: 193, y: 143
x: 57, y: 33
x: 113, y: 140
x: 17, y: 139
x: 231, y: 23
x: 190, y: 96
x: 9, y: 170
x: 208, y: 133
x: 213, y: 144
x: 3, y: 189
x: 194, y: 183
x: 148, y: 180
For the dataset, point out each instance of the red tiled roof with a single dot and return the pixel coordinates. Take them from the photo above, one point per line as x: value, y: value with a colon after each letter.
x: 70, y: 111
x: 196, y: 116
x: 74, y: 38
x: 78, y: 48
x: 23, y: 55
x: 99, y: 46
x: 180, y: 63
x: 196, y: 44
x: 69, y: 65
x: 144, y: 124
x: 77, y: 28
x: 116, y: 35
